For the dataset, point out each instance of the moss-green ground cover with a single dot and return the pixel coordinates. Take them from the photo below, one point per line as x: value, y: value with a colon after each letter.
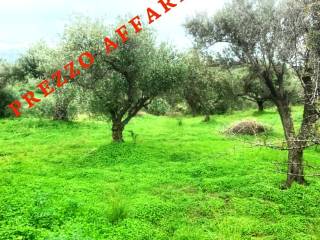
x: 180, y: 179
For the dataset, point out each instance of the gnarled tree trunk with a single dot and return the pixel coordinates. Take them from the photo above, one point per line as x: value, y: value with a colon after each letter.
x: 117, y: 130
x: 295, y: 166
x: 260, y: 105
x: 310, y: 117
x: 295, y: 171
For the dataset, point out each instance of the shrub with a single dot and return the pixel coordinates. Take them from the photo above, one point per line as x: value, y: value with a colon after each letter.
x: 43, y: 110
x: 221, y: 107
x: 48, y: 109
x: 159, y: 107
x: 247, y: 127
x: 6, y: 97
x: 181, y: 108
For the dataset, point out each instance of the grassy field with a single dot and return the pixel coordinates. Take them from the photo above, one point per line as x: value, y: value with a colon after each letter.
x: 179, y: 179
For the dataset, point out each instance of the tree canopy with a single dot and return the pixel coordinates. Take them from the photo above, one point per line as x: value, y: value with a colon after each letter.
x: 130, y: 77
x: 271, y: 38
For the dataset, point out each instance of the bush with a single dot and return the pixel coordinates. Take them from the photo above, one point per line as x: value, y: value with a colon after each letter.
x: 247, y: 127
x: 181, y: 108
x: 48, y: 108
x: 42, y: 110
x: 159, y: 107
x: 6, y: 97
x: 220, y: 108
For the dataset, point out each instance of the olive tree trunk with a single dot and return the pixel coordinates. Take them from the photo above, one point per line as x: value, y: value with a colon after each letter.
x: 117, y: 130
x: 260, y: 105
x: 295, y: 167
x: 295, y: 171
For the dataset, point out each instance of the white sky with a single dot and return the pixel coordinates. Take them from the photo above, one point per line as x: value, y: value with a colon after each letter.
x: 23, y: 22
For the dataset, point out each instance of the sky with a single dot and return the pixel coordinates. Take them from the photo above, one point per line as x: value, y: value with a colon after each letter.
x: 23, y: 22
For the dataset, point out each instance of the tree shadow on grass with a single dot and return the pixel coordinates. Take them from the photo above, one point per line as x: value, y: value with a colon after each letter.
x: 115, y: 153
x: 131, y: 154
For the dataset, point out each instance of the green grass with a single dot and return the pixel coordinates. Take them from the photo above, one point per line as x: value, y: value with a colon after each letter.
x: 178, y: 179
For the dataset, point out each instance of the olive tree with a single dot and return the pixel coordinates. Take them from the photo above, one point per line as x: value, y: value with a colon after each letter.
x: 127, y: 78
x: 206, y: 88
x: 39, y: 63
x: 250, y: 87
x: 271, y: 37
x: 253, y: 90
x: 5, y: 79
